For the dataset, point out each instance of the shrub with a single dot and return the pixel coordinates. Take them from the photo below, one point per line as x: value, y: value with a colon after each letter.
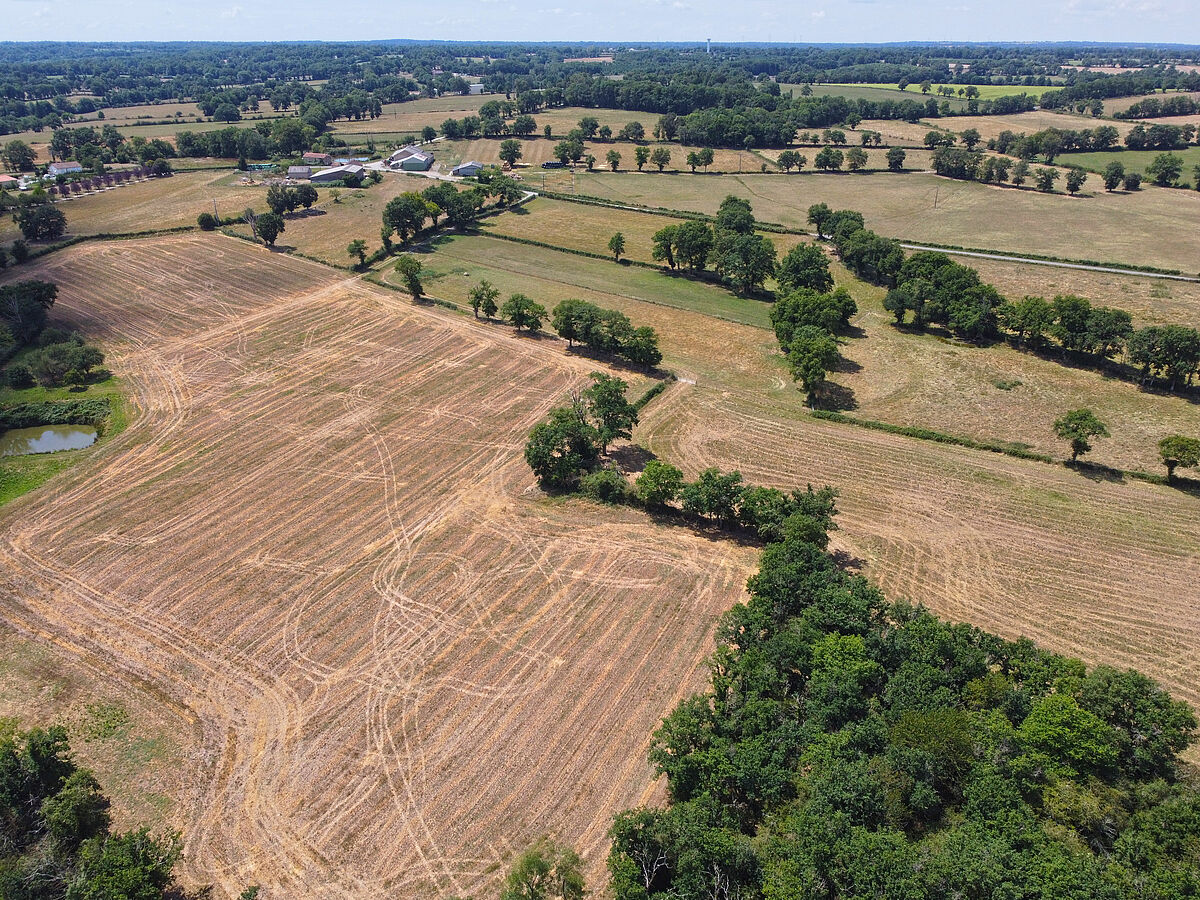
x: 207, y: 221
x: 18, y: 376
x: 606, y: 486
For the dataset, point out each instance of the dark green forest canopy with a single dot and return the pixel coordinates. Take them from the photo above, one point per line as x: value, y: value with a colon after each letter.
x: 851, y: 747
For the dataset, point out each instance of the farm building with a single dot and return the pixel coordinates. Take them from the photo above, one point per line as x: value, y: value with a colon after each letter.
x: 7, y: 182
x: 467, y: 169
x: 411, y: 159
x: 336, y: 174
x: 67, y: 167
x: 317, y: 159
x: 299, y: 172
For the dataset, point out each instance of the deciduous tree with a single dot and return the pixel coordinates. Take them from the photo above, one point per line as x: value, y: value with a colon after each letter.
x: 1078, y: 427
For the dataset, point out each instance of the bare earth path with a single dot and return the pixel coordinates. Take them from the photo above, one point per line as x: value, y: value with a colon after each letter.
x: 313, y: 540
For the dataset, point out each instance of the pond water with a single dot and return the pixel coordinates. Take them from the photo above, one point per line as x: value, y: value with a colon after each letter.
x: 46, y: 439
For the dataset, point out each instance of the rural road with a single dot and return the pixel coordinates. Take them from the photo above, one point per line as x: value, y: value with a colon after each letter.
x: 1047, y: 262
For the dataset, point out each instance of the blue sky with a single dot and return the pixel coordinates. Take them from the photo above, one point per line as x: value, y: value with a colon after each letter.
x: 846, y: 21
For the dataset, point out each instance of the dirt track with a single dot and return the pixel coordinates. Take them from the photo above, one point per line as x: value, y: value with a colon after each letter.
x: 313, y: 540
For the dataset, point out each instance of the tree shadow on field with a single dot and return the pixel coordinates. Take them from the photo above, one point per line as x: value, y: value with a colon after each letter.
x: 630, y: 458
x: 847, y: 561
x: 282, y: 248
x: 837, y: 397
x: 1097, y: 472
x: 847, y: 365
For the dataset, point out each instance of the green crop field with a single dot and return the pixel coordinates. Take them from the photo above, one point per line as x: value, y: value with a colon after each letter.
x: 868, y: 92
x: 986, y: 91
x: 1133, y: 161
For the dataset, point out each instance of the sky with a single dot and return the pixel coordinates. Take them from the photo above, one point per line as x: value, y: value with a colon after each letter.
x: 816, y: 21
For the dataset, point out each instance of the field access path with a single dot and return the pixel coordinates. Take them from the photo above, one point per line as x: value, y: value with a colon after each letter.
x: 315, y: 542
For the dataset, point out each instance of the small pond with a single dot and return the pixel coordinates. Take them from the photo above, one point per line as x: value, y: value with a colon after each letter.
x: 46, y: 439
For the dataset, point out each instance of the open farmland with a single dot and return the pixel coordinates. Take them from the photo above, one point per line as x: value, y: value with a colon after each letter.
x: 866, y: 92
x: 1133, y: 161
x: 1095, y: 568
x: 581, y: 226
x: 413, y: 115
x: 316, y: 538
x: 1151, y: 301
x: 1026, y: 122
x: 967, y: 214
x: 986, y: 91
x: 154, y: 203
x: 326, y: 230
x: 1120, y: 104
x: 536, y: 151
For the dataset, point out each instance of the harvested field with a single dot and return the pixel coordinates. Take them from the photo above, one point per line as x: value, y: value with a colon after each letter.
x: 1151, y: 301
x: 903, y: 134
x: 1098, y: 570
x: 156, y: 203
x: 1140, y: 228
x: 1027, y: 122
x: 1120, y: 104
x: 1095, y: 568
x: 986, y: 91
x: 413, y: 115
x: 318, y: 539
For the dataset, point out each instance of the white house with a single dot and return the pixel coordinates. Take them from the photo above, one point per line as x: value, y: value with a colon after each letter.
x: 67, y: 167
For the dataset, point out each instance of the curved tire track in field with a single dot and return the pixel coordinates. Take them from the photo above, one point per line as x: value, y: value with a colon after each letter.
x: 310, y: 539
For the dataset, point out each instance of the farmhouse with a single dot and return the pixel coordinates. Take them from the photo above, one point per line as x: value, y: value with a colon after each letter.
x: 467, y: 169
x: 299, y: 172
x: 67, y: 167
x: 411, y: 159
x: 7, y: 181
x: 317, y: 159
x: 337, y: 173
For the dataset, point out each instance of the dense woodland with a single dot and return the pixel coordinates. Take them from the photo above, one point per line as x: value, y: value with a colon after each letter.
x: 852, y: 747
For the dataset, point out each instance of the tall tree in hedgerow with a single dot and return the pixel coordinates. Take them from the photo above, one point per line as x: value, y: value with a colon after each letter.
x: 409, y: 269
x: 613, y: 415
x: 1178, y: 451
x: 1078, y: 427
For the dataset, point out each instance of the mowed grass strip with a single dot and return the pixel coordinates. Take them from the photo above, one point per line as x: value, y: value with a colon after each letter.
x: 588, y: 227
x: 1143, y: 228
x: 548, y: 276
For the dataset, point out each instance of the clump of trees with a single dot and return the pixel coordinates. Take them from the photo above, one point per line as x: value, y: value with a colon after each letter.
x: 24, y: 307
x: 739, y: 255
x: 546, y: 871
x: 43, y: 222
x: 55, y: 830
x: 607, y: 330
x: 284, y: 200
x: 847, y: 746
x: 871, y: 257
x: 568, y: 446
x: 806, y: 322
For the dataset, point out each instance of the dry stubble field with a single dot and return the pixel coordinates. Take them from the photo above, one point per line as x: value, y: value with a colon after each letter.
x: 1097, y: 569
x: 316, y: 539
x: 1142, y: 228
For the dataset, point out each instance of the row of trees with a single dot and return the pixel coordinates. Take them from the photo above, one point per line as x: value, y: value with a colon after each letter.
x: 606, y: 330
x: 967, y: 165
x: 730, y: 244
x: 849, y: 747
